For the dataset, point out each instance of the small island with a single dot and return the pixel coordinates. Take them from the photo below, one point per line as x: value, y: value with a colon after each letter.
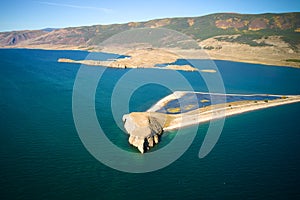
x: 140, y: 58
x: 181, y: 109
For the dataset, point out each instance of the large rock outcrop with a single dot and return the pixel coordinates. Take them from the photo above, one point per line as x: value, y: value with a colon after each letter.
x: 144, y: 128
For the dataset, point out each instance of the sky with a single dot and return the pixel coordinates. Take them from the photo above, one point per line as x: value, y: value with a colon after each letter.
x: 39, y: 14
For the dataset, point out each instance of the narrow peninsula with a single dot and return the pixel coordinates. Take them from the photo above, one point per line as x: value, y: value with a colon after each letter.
x: 181, y: 109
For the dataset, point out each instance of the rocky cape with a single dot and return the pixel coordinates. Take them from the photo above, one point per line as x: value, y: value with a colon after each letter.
x: 145, y: 128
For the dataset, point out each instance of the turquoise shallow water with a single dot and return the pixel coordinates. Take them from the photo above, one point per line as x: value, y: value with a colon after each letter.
x: 42, y: 157
x: 192, y: 101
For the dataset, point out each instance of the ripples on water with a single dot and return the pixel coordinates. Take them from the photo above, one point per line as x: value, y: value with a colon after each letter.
x: 42, y: 157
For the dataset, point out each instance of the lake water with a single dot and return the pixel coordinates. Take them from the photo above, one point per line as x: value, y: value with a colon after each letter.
x: 42, y: 157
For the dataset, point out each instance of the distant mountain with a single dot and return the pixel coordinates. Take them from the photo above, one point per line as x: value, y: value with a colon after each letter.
x: 17, y: 37
x: 250, y: 27
x: 212, y: 32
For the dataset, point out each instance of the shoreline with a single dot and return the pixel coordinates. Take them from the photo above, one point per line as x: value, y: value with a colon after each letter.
x: 271, y: 63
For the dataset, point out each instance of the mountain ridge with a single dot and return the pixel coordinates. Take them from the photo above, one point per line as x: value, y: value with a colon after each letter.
x: 277, y: 33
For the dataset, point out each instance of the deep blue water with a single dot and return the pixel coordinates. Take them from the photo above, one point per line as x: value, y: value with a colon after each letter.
x: 42, y: 157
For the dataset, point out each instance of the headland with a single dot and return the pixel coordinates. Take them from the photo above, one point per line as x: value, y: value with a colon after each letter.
x: 146, y: 128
